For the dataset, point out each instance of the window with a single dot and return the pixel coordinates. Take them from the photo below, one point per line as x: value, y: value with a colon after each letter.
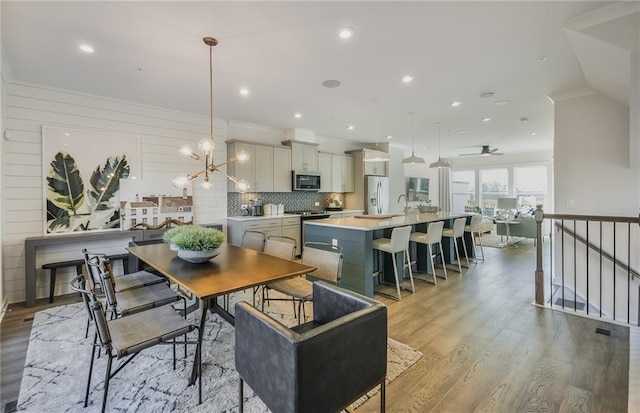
x: 464, y: 190
x: 494, y: 184
x: 531, y: 185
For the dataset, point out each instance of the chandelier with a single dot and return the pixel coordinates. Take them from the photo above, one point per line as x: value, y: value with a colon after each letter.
x: 206, y: 145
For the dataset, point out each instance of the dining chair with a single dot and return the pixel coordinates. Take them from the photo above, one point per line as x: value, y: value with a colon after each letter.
x: 128, y: 336
x: 430, y: 238
x: 124, y: 282
x: 399, y: 242
x: 253, y: 240
x: 320, y: 366
x: 326, y: 258
x: 281, y: 247
x: 455, y: 233
x: 474, y: 229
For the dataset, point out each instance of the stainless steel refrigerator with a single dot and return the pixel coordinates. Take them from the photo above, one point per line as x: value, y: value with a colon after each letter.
x: 377, y: 194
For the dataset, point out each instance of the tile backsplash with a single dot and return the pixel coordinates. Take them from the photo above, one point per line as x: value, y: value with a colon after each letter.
x: 292, y: 201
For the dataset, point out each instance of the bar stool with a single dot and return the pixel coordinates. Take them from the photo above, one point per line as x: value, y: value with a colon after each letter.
x: 431, y: 237
x: 457, y: 232
x: 474, y: 229
x: 399, y: 242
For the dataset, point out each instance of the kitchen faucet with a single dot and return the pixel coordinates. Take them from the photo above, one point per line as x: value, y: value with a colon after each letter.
x: 406, y: 203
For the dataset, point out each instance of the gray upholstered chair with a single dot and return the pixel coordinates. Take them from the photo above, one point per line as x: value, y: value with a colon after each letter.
x: 320, y: 366
x: 432, y: 237
x: 474, y: 229
x: 326, y: 258
x: 127, y: 336
x: 455, y: 233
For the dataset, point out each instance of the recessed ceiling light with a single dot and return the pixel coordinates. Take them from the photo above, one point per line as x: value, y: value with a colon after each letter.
x: 461, y: 131
x: 500, y: 102
x: 66, y: 134
x: 351, y: 127
x: 389, y: 136
x: 486, y: 119
x: 541, y: 60
x: 456, y: 103
x: 345, y: 33
x: 86, y: 48
x: 408, y: 78
x: 244, y: 91
x: 533, y: 133
x: 331, y: 83
x: 487, y: 95
x: 297, y: 115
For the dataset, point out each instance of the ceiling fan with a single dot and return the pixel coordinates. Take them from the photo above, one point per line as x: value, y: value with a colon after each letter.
x: 486, y: 151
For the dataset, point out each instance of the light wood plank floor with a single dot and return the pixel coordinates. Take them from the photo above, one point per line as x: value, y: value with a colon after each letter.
x: 486, y: 348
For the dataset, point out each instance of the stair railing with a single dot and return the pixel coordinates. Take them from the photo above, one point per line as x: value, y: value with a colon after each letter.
x: 610, y: 265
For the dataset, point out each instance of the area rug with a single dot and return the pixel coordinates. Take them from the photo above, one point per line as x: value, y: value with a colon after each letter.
x: 58, y: 356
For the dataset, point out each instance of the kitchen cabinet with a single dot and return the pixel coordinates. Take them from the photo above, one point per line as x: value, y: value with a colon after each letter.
x: 326, y: 173
x: 375, y: 168
x: 304, y: 156
x: 257, y: 171
x: 291, y: 229
x: 343, y: 175
x: 281, y: 169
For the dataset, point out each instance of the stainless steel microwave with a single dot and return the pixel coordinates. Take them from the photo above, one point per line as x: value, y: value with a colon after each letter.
x: 305, y: 181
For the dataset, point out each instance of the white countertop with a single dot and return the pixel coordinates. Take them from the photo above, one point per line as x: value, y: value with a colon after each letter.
x: 251, y: 218
x: 366, y: 224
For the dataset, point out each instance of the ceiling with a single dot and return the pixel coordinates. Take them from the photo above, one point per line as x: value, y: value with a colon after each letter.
x: 152, y: 53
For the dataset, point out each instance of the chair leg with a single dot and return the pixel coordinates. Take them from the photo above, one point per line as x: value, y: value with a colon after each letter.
x: 444, y: 264
x: 466, y: 254
x: 106, y: 382
x: 86, y: 330
x: 395, y: 272
x: 406, y: 254
x: 383, y: 395
x: 481, y: 249
x: 93, y: 355
x: 174, y: 353
x: 455, y: 244
x: 433, y: 268
x: 241, y: 396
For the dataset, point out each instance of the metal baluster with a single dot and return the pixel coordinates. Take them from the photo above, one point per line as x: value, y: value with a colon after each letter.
x: 587, y: 251
x: 551, y: 257
x: 600, y: 249
x: 575, y: 268
x: 562, y: 257
x: 614, y: 270
x: 629, y: 272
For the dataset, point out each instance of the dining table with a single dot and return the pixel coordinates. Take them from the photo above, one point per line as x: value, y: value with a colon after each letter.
x: 233, y: 269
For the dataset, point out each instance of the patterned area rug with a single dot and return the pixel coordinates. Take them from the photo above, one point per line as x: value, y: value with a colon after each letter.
x: 58, y: 356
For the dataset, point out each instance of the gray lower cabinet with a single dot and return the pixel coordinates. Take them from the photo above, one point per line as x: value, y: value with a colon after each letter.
x: 281, y: 226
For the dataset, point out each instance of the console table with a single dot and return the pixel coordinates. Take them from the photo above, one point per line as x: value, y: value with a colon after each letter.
x: 32, y: 243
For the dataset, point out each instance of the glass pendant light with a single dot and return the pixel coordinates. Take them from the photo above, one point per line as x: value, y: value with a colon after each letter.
x: 413, y: 159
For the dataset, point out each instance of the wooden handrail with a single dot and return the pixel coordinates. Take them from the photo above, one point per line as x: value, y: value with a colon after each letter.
x: 632, y: 220
x: 624, y: 266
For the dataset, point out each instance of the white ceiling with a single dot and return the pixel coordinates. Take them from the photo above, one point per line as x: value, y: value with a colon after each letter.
x: 282, y: 51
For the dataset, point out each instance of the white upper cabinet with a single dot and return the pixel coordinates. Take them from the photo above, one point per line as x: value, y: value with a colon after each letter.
x: 326, y: 172
x: 375, y: 168
x: 281, y: 169
x: 257, y: 171
x: 343, y: 175
x: 304, y: 156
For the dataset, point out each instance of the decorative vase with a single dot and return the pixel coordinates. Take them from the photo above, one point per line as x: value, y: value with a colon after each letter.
x: 173, y: 247
x: 197, y: 257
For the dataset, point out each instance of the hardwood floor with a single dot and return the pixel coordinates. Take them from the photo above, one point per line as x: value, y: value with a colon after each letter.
x: 486, y: 347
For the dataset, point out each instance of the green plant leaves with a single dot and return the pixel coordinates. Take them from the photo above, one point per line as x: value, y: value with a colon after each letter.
x: 105, y: 182
x: 65, y: 187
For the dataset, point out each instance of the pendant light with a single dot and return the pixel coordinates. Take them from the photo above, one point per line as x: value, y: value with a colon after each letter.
x: 440, y: 163
x: 413, y: 159
x: 376, y: 155
x: 206, y: 145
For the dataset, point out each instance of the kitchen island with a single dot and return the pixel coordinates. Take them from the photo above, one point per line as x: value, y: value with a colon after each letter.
x: 355, y: 236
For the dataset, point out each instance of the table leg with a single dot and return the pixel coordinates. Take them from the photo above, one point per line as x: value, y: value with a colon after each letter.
x: 203, y: 319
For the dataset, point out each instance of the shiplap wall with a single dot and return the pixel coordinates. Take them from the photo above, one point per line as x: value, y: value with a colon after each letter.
x: 161, y: 133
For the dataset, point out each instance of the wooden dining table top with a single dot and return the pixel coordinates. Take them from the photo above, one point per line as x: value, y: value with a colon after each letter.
x: 234, y: 269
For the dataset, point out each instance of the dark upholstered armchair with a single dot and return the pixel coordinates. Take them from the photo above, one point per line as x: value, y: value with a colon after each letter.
x: 320, y: 366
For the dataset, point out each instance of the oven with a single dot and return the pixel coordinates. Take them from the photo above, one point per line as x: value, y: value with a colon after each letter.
x: 306, y: 216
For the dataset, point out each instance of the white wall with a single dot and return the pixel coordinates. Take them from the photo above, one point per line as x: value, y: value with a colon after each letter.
x: 591, y: 159
x: 161, y: 133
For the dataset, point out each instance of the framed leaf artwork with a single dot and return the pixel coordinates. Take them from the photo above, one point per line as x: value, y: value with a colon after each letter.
x: 82, y: 171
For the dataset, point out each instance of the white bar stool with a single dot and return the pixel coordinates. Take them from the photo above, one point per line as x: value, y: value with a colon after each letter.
x: 457, y: 232
x: 399, y: 242
x: 474, y: 229
x: 431, y: 237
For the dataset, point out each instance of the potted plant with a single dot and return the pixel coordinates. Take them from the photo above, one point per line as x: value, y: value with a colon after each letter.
x: 195, y: 243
